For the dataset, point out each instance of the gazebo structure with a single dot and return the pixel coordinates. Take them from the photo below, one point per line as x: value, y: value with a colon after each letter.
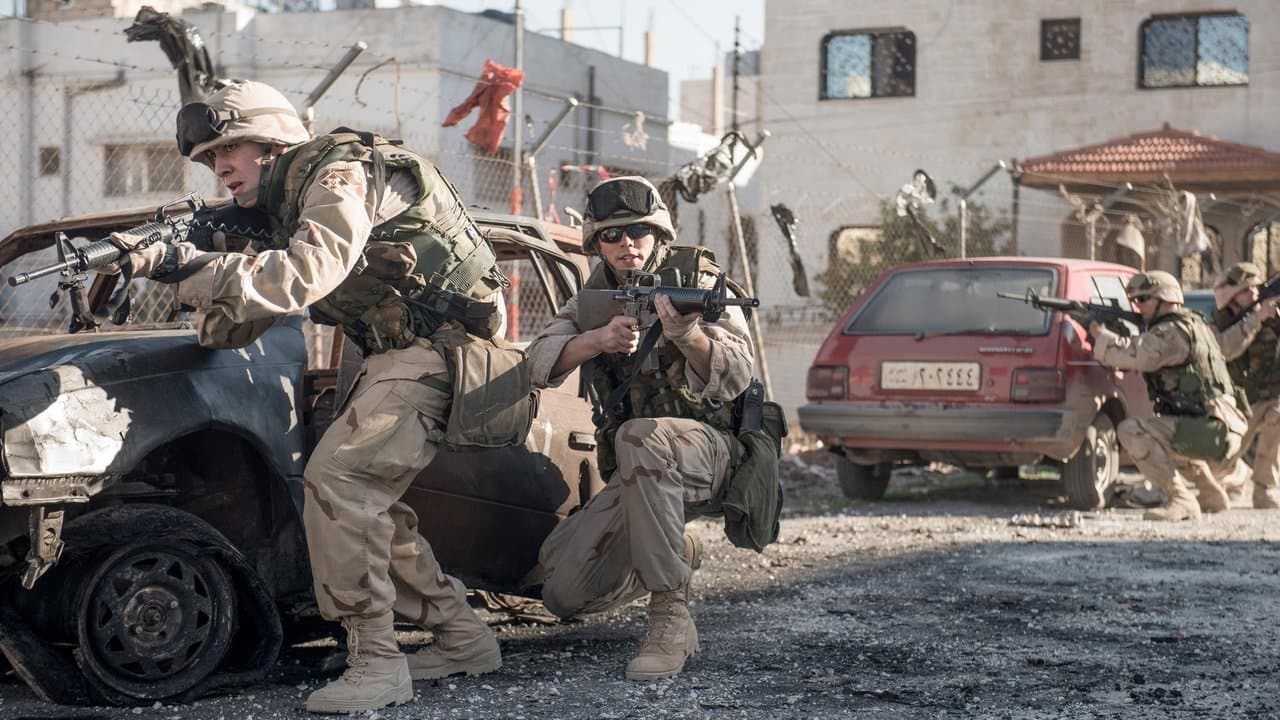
x: 1173, y: 174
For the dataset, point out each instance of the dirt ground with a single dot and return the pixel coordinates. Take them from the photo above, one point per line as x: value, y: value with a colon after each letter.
x: 952, y: 598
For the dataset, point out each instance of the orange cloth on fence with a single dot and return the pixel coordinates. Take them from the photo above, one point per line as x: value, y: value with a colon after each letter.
x: 490, y: 95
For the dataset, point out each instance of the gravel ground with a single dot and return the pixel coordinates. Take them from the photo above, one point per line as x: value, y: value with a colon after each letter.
x: 964, y: 600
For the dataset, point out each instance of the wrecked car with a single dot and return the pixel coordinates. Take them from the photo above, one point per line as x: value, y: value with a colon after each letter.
x: 151, y: 543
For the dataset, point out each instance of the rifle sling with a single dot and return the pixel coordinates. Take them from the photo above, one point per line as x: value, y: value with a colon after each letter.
x: 613, y: 404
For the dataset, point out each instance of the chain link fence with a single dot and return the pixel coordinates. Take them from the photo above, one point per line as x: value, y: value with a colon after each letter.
x: 101, y: 143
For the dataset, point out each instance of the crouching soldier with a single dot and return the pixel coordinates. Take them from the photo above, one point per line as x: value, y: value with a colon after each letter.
x: 365, y: 234
x: 1197, y: 425
x: 668, y: 446
x: 1248, y: 331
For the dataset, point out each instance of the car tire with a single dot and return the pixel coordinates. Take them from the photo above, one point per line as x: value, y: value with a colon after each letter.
x: 1089, y: 473
x: 863, y: 482
x: 153, y: 619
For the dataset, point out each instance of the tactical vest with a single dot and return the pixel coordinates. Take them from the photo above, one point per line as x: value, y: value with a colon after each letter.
x: 1256, y: 370
x: 1186, y: 389
x: 665, y: 391
x: 412, y: 262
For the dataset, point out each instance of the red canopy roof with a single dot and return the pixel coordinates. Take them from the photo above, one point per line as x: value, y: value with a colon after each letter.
x: 1192, y: 161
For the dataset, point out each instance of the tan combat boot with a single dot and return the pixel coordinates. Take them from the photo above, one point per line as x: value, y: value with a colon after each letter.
x: 1264, y: 498
x: 670, y: 638
x: 377, y: 674
x: 464, y: 644
x: 1180, y: 505
x: 1212, y: 495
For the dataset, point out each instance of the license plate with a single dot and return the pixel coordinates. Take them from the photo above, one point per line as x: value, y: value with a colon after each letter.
x: 929, y: 376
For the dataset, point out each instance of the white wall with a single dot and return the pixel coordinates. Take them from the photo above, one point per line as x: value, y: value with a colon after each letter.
x: 982, y: 94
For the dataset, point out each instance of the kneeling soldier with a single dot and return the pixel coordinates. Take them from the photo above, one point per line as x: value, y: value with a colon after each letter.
x: 1197, y: 422
x: 1250, y: 345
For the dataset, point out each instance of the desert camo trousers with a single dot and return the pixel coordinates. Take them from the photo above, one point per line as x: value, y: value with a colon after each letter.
x: 367, y: 557
x: 1149, y: 442
x: 628, y: 540
x: 1265, y: 426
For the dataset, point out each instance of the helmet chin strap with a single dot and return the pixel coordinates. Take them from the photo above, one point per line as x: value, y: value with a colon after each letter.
x: 264, y: 178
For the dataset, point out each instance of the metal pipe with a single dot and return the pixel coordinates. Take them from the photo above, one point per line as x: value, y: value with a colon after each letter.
x: 28, y: 124
x: 964, y: 205
x: 340, y: 67
x: 530, y: 157
x: 69, y: 94
x: 753, y: 317
x: 517, y: 127
x: 545, y: 137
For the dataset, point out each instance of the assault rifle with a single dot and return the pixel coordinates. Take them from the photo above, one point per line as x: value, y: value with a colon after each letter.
x: 1111, y: 315
x: 635, y: 299
x: 165, y: 228
x: 1269, y: 290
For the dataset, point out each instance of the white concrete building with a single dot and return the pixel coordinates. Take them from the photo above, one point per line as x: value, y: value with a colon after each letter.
x: 91, y: 119
x: 860, y: 93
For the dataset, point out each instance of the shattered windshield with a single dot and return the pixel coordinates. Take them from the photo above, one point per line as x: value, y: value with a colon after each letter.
x: 956, y: 301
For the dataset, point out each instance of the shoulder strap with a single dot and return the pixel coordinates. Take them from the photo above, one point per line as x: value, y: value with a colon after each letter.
x: 613, y: 404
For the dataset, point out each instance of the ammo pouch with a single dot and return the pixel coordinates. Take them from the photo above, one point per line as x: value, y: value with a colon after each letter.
x: 1201, y: 438
x: 493, y: 399
x: 752, y: 503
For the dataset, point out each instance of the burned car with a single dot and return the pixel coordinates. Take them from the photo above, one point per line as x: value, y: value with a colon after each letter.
x: 151, y: 542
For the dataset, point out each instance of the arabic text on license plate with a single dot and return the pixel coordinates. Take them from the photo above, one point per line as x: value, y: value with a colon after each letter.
x: 929, y: 376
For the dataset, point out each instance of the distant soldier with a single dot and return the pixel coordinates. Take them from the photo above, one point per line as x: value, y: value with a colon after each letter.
x: 1197, y: 424
x: 668, y: 450
x: 1250, y: 346
x: 365, y: 233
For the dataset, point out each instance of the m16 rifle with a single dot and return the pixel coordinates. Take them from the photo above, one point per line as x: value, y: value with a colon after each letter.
x: 1112, y: 316
x: 165, y: 228
x: 186, y: 219
x: 635, y: 299
x: 1266, y: 291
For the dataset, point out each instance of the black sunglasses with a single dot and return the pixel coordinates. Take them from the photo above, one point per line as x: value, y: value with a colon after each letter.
x: 623, y: 196
x: 635, y: 231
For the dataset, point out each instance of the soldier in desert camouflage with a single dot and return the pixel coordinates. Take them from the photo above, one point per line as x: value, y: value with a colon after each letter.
x: 669, y: 455
x: 362, y: 228
x: 1197, y: 425
x: 1250, y: 345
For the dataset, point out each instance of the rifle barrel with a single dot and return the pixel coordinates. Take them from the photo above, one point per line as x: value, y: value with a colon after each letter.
x: 26, y: 277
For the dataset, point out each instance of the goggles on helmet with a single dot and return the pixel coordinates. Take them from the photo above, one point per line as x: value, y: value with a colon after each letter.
x: 199, y: 123
x: 611, y: 198
x: 1241, y: 276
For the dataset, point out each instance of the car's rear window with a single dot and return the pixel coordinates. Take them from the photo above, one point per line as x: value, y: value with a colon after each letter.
x: 956, y: 300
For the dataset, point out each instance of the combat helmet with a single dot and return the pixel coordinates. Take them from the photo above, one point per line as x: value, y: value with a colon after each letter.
x: 244, y: 111
x: 1155, y: 283
x: 1241, y: 275
x: 624, y: 201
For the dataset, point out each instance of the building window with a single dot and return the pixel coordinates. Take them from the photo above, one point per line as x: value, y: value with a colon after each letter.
x: 868, y: 64
x: 1060, y: 39
x: 134, y: 169
x: 50, y: 161
x: 1194, y: 50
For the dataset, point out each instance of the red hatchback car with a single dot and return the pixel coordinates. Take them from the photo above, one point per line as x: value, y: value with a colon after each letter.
x: 930, y: 365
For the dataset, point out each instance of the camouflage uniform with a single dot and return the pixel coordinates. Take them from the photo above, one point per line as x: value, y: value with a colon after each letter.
x: 663, y: 467
x: 1197, y: 424
x: 367, y: 555
x: 1250, y: 346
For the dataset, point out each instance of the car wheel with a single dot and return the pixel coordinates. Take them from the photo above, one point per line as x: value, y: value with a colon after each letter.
x: 863, y: 482
x: 1093, y: 469
x: 154, y: 618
